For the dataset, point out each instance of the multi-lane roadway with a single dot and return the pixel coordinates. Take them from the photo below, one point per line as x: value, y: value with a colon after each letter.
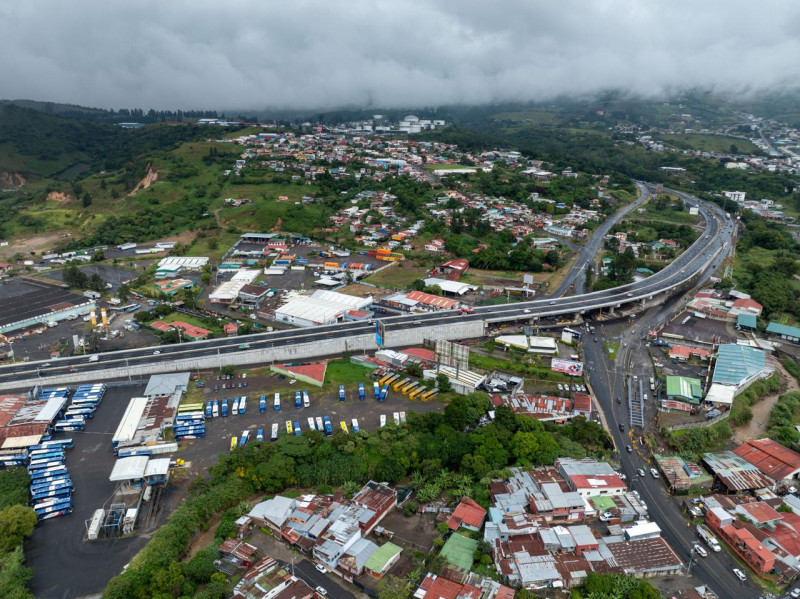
x: 705, y: 253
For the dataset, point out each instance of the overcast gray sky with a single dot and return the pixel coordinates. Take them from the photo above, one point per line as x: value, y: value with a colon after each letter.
x: 312, y: 54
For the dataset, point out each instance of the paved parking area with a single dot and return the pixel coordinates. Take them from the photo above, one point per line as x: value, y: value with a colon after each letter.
x: 110, y: 274
x: 203, y: 453
x: 65, y: 565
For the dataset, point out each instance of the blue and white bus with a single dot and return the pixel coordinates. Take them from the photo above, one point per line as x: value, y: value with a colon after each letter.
x: 43, y: 494
x: 69, y: 425
x: 44, y: 464
x: 298, y: 399
x: 46, y: 473
x: 306, y: 400
x: 209, y: 410
x: 384, y: 393
x: 297, y: 431
x: 244, y: 438
x: 74, y: 412
x: 51, y: 480
x: 376, y: 390
x: 277, y: 401
x: 44, y: 454
x: 242, y: 404
x: 60, y: 508
x: 235, y: 406
x: 326, y: 422
x: 262, y: 404
x: 341, y: 393
x: 224, y: 408
x: 260, y: 435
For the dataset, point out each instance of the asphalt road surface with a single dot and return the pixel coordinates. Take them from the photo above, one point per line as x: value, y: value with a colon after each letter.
x: 705, y: 253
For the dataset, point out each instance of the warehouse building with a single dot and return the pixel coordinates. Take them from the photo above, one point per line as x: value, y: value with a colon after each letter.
x: 26, y: 302
x: 322, y: 307
x: 173, y: 265
x: 737, y: 367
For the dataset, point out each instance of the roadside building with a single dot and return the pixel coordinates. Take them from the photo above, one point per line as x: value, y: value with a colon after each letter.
x: 382, y: 560
x: 682, y: 475
x: 773, y: 459
x: 322, y: 307
x: 588, y: 477
x: 462, y: 381
x: 536, y: 345
x: 733, y: 474
x: 431, y: 302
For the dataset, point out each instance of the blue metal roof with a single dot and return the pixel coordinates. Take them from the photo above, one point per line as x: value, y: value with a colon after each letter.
x: 737, y: 363
x: 783, y: 329
x: 747, y: 320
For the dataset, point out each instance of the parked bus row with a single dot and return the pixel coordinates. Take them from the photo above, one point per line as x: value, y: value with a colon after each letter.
x: 51, y: 485
x: 404, y: 385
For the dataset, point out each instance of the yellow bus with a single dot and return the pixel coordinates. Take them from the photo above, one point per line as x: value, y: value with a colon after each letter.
x: 191, y: 407
x: 418, y: 392
x: 401, y: 383
x: 409, y: 387
x: 234, y: 442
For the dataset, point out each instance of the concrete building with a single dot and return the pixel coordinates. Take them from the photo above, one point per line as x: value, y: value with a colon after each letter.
x: 588, y: 477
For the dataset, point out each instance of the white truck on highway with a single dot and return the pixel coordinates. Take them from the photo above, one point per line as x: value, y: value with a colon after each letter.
x: 708, y: 537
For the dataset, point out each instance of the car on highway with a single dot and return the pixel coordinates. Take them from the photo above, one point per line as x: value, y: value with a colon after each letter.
x: 641, y: 471
x: 621, y: 427
x: 654, y: 473
x: 699, y: 550
x: 629, y: 449
x: 466, y: 310
x: 526, y: 311
x: 739, y: 574
x: 321, y: 591
x: 553, y: 303
x: 155, y: 353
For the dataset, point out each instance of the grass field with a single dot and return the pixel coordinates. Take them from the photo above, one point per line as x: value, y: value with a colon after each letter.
x: 343, y: 372
x: 223, y: 240
x: 398, y: 276
x: 709, y: 143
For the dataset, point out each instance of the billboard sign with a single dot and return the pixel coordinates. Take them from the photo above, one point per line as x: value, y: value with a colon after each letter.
x: 569, y: 367
x: 452, y: 354
x: 380, y: 333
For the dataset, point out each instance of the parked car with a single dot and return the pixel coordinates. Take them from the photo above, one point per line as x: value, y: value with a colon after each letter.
x: 654, y: 473
x: 321, y: 568
x: 739, y: 574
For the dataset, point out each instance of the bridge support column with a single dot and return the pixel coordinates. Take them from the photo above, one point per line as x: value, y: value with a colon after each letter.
x: 611, y: 310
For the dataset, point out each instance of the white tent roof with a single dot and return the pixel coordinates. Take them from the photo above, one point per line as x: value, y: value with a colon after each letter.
x: 131, y: 468
x: 721, y: 394
x: 450, y: 286
x: 157, y: 467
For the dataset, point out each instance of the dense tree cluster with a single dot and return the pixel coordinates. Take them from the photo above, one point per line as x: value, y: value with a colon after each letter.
x: 17, y: 521
x: 450, y: 451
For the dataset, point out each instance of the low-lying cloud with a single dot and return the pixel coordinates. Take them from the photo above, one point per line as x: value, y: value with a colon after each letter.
x: 309, y: 54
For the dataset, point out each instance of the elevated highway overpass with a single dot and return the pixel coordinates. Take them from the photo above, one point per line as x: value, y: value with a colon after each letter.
x: 695, y: 264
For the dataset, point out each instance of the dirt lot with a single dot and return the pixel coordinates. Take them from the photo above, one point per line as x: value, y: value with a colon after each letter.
x: 701, y: 329
x: 761, y: 410
x: 25, y: 245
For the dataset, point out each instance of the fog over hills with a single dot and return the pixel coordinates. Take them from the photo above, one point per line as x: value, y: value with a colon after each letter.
x: 317, y: 55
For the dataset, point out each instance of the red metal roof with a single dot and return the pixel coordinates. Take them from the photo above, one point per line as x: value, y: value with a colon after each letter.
x: 598, y: 481
x: 467, y: 513
x: 447, y: 589
x: 432, y: 300
x: 772, y: 458
x: 761, y: 512
x: 423, y: 354
x: 314, y: 371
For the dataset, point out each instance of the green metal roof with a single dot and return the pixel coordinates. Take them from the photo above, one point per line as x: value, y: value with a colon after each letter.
x: 381, y: 556
x: 685, y: 388
x: 459, y: 551
x: 747, y: 320
x: 783, y: 329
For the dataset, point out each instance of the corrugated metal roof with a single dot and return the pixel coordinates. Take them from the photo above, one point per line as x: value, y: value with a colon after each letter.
x: 738, y: 363
x: 131, y: 468
x: 783, y: 329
